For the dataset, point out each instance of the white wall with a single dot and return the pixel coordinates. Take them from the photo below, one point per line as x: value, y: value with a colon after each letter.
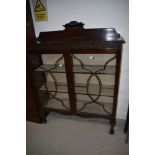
x: 95, y: 14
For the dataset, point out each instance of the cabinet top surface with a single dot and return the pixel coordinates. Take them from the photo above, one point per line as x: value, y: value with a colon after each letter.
x: 75, y: 36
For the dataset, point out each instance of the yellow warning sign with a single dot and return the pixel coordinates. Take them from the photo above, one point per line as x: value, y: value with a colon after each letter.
x: 40, y: 16
x: 40, y: 10
x: 39, y: 6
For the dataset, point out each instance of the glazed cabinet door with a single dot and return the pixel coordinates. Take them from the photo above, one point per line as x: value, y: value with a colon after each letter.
x: 94, y: 82
x: 51, y: 83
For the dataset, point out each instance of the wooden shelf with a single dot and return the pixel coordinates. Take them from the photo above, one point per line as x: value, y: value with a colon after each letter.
x: 93, y: 68
x: 78, y: 69
x: 55, y: 104
x: 93, y: 108
x: 62, y: 87
x: 106, y: 90
x: 45, y: 67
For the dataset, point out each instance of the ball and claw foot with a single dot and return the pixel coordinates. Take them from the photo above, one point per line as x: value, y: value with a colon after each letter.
x: 111, y: 131
x: 44, y: 121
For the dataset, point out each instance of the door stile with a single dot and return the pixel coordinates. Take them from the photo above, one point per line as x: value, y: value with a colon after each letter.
x: 117, y: 78
x: 70, y: 81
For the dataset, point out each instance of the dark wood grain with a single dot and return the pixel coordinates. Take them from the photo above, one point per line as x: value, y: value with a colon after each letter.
x: 70, y: 81
x: 116, y: 89
x: 30, y: 34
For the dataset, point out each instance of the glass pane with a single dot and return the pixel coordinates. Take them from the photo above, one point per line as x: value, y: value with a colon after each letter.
x: 94, y: 82
x: 54, y: 82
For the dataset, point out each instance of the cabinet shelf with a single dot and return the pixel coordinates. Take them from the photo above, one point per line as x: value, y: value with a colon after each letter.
x: 53, y: 104
x: 106, y: 90
x: 78, y: 69
x: 94, y: 68
x: 61, y: 87
x: 45, y: 67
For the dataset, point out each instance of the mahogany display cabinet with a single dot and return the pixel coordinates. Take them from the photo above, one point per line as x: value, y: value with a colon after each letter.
x: 76, y: 71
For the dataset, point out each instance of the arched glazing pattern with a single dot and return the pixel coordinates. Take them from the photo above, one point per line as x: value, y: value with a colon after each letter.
x: 49, y: 74
x: 94, y: 74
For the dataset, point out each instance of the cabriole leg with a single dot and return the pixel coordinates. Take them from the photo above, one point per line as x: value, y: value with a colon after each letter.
x: 113, y: 122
